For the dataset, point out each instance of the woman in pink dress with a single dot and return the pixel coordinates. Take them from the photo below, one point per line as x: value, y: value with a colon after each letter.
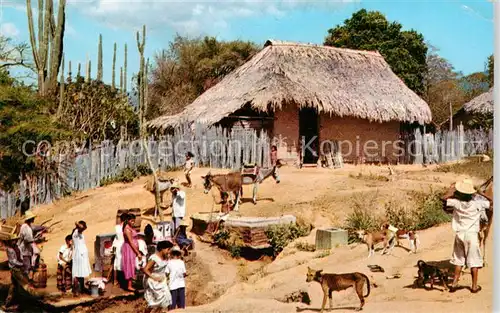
x: 129, y: 251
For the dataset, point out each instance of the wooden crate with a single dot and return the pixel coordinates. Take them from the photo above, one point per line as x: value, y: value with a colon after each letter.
x: 330, y: 238
x: 6, y: 231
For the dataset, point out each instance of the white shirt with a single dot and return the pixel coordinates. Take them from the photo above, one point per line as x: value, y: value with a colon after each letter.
x: 26, y: 240
x: 67, y: 254
x: 179, y: 204
x: 176, y: 270
x: 14, y: 262
x: 466, y: 214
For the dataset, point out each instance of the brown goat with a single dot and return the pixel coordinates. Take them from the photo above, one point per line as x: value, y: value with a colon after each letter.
x: 230, y: 183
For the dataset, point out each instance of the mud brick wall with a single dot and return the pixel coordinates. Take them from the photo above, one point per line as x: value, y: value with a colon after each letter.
x: 286, y: 132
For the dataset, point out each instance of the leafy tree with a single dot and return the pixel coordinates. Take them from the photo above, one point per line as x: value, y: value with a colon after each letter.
x: 96, y: 111
x: 490, y: 69
x: 24, y: 117
x: 189, y: 67
x: 404, y: 51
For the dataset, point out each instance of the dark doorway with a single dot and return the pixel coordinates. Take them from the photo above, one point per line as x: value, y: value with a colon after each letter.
x: 309, y: 134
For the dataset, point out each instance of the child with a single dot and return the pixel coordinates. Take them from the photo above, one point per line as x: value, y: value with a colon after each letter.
x: 81, y: 263
x: 143, y: 248
x: 275, y: 162
x: 64, y: 280
x: 176, y: 270
x: 182, y: 239
x: 16, y: 267
x: 188, y: 167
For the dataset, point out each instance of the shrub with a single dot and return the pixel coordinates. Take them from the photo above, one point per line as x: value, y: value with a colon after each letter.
x: 430, y: 209
x: 282, y: 234
x: 370, y: 176
x: 400, y: 216
x: 472, y: 167
x: 304, y: 246
x: 144, y: 170
x: 230, y: 241
x: 127, y: 175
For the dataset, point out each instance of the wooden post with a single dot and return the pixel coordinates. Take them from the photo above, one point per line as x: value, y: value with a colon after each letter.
x: 451, y: 115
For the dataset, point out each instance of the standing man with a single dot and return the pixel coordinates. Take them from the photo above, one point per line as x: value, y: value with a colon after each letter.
x: 26, y: 242
x: 178, y: 206
x: 468, y: 209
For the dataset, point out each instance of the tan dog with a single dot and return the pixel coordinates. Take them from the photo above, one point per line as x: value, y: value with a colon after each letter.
x: 338, y: 282
x: 371, y: 239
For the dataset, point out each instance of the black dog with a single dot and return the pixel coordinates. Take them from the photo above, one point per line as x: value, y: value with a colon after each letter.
x: 428, y: 272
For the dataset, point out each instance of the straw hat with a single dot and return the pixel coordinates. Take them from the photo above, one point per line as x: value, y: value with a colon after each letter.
x: 175, y: 185
x: 465, y: 186
x: 29, y: 215
x: 13, y: 237
x: 184, y: 223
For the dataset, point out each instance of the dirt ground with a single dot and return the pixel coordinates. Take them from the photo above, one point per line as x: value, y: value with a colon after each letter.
x: 320, y: 196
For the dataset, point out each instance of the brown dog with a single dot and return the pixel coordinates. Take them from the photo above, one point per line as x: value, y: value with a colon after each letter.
x: 338, y: 282
x: 427, y: 272
x: 371, y: 239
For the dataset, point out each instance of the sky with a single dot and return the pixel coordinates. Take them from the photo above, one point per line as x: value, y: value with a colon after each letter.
x: 461, y: 30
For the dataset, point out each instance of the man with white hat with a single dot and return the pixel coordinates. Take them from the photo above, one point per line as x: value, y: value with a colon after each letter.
x: 468, y: 207
x: 26, y: 241
x: 178, y: 206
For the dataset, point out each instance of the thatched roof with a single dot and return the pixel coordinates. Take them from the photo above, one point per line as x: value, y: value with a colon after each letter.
x: 338, y: 81
x: 481, y: 104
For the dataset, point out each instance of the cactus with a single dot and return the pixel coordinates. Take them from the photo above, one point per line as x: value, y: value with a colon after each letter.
x: 61, y: 89
x: 99, y: 59
x: 121, y: 78
x: 89, y: 71
x: 125, y: 71
x: 49, y: 43
x: 113, y: 68
x: 79, y: 71
x: 69, y: 71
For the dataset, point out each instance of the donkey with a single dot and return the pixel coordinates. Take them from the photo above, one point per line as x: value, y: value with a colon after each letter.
x: 230, y: 183
x: 262, y: 174
x: 484, y: 230
x: 164, y: 183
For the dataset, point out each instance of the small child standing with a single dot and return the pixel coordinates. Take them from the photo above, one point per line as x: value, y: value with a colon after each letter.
x: 80, y: 268
x: 64, y: 278
x: 275, y: 162
x: 188, y: 167
x: 140, y: 262
x: 176, y: 270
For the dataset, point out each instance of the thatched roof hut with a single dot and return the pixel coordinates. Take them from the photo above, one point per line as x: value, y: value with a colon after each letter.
x: 482, y: 104
x: 340, y: 82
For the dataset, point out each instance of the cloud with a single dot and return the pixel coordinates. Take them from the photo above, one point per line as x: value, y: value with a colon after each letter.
x: 9, y: 30
x: 475, y: 13
x: 190, y: 17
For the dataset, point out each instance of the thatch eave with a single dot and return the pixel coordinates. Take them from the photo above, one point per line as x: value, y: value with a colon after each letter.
x: 482, y: 104
x: 336, y: 81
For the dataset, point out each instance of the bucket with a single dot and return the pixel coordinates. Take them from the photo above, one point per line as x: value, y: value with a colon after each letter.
x: 94, y: 289
x: 40, y: 276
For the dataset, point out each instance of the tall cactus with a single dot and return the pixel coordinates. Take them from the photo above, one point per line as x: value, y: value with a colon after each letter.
x: 113, y: 68
x: 61, y: 89
x: 50, y: 42
x: 79, y: 71
x: 69, y: 71
x: 125, y: 71
x: 89, y: 71
x: 99, y: 59
x: 142, y: 86
x: 121, y: 78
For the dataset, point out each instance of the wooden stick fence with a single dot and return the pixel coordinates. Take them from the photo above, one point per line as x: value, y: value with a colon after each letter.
x: 219, y: 148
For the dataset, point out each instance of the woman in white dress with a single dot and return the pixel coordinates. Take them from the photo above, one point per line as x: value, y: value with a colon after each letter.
x: 157, y: 294
x: 117, y: 244
x: 81, y: 263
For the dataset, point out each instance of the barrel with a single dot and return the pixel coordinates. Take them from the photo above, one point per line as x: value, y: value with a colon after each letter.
x: 40, y: 276
x: 136, y: 212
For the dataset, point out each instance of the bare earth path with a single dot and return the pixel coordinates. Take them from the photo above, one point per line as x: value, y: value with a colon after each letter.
x: 322, y: 197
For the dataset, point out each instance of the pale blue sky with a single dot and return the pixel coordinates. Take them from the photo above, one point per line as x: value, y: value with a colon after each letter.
x: 462, y: 30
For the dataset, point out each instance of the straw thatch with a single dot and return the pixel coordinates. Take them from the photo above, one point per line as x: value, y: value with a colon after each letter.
x: 337, y: 81
x: 482, y: 104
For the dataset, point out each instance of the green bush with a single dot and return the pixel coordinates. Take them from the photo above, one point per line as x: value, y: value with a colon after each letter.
x: 400, y: 216
x: 472, y: 167
x: 127, y: 175
x: 430, y: 210
x: 282, y: 234
x: 230, y: 241
x: 144, y: 170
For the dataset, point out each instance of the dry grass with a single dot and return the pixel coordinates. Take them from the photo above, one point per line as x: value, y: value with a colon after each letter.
x: 482, y: 104
x: 472, y: 167
x: 336, y: 81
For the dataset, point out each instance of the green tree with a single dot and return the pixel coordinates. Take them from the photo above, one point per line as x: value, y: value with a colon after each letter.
x: 189, y: 67
x: 404, y: 51
x: 490, y: 69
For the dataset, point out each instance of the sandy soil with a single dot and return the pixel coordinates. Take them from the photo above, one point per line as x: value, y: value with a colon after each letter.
x: 320, y: 196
